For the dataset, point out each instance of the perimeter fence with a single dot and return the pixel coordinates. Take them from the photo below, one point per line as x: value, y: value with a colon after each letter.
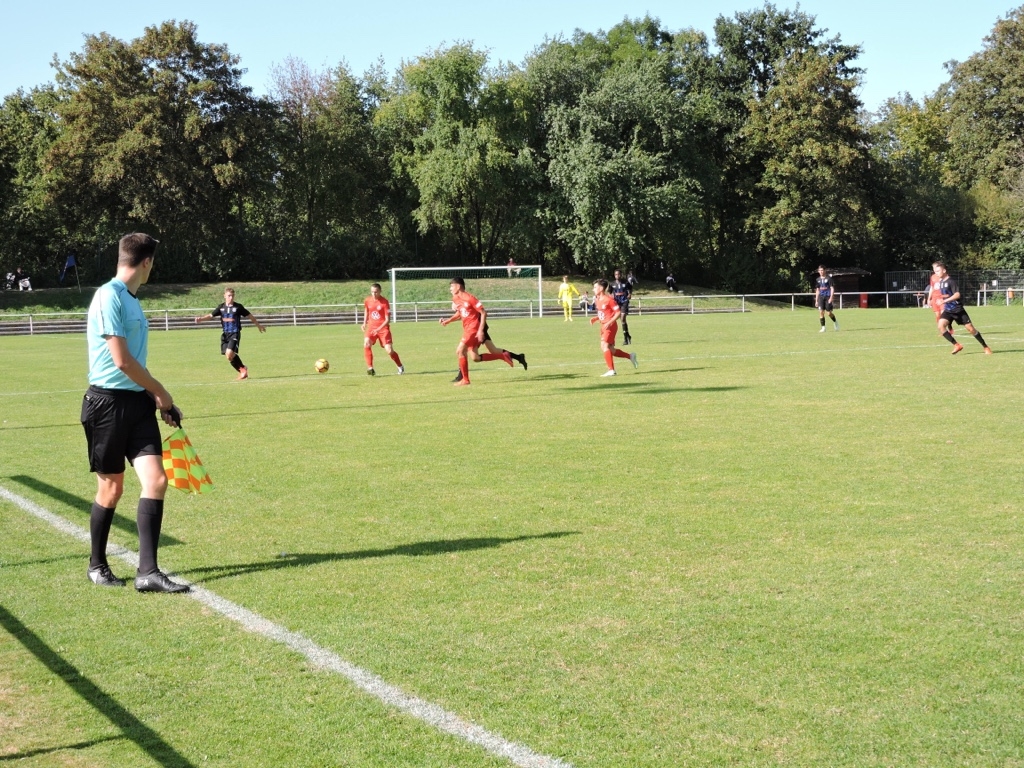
x: 12, y: 324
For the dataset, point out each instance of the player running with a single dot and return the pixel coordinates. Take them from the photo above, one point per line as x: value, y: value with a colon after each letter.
x: 933, y: 298
x: 622, y: 292
x: 231, y: 315
x: 824, y: 292
x: 474, y: 331
x: 493, y: 349
x: 377, y: 327
x: 608, y: 314
x: 953, y: 310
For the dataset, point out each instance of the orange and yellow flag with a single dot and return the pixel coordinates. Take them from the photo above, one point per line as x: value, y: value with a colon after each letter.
x: 181, y: 463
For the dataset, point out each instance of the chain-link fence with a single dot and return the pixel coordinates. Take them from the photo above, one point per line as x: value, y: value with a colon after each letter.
x: 988, y: 286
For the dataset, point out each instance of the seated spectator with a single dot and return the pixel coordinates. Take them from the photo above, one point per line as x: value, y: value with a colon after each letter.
x: 24, y: 281
x: 670, y: 282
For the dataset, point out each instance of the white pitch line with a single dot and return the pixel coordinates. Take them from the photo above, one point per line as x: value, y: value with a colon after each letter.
x: 391, y: 695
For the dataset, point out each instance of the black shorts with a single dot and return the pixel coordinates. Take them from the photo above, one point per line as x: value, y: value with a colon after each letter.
x: 960, y: 316
x: 823, y: 304
x: 119, y: 424
x: 624, y: 308
x: 487, y: 334
x: 229, y: 341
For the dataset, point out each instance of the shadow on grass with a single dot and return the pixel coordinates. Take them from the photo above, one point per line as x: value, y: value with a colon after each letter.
x: 682, y: 370
x: 84, y: 506
x: 41, y: 561
x: 552, y: 377
x: 417, y: 549
x: 651, y: 387
x: 59, y: 748
x: 676, y: 390
x: 131, y: 727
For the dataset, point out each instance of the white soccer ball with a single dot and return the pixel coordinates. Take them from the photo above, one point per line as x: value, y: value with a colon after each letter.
x: 321, y: 365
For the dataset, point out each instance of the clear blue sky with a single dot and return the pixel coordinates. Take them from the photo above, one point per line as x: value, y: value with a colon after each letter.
x: 905, y: 42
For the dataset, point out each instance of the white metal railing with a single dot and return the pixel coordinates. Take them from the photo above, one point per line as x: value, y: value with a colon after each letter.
x: 1010, y: 296
x: 415, y: 311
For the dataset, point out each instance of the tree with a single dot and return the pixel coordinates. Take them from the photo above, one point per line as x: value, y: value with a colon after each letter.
x: 814, y: 205
x: 758, y: 52
x: 925, y: 216
x: 159, y: 133
x: 323, y: 210
x: 461, y: 140
x: 616, y: 158
x: 31, y: 235
x: 986, y: 106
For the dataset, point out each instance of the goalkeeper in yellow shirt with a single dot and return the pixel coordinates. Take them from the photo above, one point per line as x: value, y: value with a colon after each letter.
x: 566, y: 292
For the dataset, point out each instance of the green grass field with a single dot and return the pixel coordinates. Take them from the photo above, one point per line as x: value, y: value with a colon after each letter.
x: 765, y: 547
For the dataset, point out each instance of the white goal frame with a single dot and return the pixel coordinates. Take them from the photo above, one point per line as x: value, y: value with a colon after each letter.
x: 468, y: 273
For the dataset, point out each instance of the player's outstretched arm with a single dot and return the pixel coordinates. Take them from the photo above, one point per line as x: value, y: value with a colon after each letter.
x: 446, y: 320
x: 201, y: 318
x: 257, y: 323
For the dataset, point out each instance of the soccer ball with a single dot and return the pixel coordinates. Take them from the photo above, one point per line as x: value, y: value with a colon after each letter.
x: 321, y: 365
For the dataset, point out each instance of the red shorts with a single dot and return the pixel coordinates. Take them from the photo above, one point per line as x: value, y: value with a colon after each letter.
x: 938, y: 310
x: 608, y: 334
x: 383, y: 336
x: 471, y: 337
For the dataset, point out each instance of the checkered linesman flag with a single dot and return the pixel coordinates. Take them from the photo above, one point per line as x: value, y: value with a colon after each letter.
x: 181, y: 463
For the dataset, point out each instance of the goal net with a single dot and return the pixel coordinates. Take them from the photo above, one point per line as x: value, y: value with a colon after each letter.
x: 422, y: 292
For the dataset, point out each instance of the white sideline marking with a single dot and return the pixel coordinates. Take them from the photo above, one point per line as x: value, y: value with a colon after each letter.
x: 392, y: 696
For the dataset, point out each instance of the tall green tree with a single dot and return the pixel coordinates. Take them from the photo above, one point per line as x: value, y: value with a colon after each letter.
x: 813, y: 200
x: 924, y: 215
x: 464, y: 152
x: 323, y: 212
x: 761, y: 51
x: 31, y: 236
x: 160, y: 133
x: 616, y: 158
x: 986, y: 106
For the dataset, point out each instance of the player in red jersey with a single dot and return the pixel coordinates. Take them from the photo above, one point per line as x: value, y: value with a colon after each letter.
x: 474, y: 318
x: 377, y: 327
x: 933, y: 298
x: 608, y: 315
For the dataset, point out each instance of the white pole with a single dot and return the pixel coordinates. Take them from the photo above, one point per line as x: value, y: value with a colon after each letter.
x: 540, y: 294
x: 394, y: 300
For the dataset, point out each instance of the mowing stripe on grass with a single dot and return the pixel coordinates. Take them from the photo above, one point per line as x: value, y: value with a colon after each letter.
x: 322, y: 658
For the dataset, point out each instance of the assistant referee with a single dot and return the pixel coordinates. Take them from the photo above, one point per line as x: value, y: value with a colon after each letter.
x: 119, y: 416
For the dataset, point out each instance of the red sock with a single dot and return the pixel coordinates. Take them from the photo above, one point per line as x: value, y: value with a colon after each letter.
x: 396, y: 358
x: 368, y: 354
x: 491, y: 356
x: 464, y: 368
x: 620, y: 353
x: 608, y: 359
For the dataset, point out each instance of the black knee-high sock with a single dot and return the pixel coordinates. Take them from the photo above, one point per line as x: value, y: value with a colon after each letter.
x: 100, y: 519
x: 149, y: 518
x: 831, y: 317
x: 236, y: 363
x: 980, y: 340
x: 949, y: 337
x: 822, y: 321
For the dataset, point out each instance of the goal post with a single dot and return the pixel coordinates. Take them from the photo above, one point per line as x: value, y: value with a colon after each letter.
x: 510, y: 291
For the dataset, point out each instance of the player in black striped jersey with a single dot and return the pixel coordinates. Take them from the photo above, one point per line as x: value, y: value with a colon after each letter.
x: 953, y: 309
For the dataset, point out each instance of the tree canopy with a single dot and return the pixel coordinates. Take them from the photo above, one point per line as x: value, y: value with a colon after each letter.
x: 737, y: 161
